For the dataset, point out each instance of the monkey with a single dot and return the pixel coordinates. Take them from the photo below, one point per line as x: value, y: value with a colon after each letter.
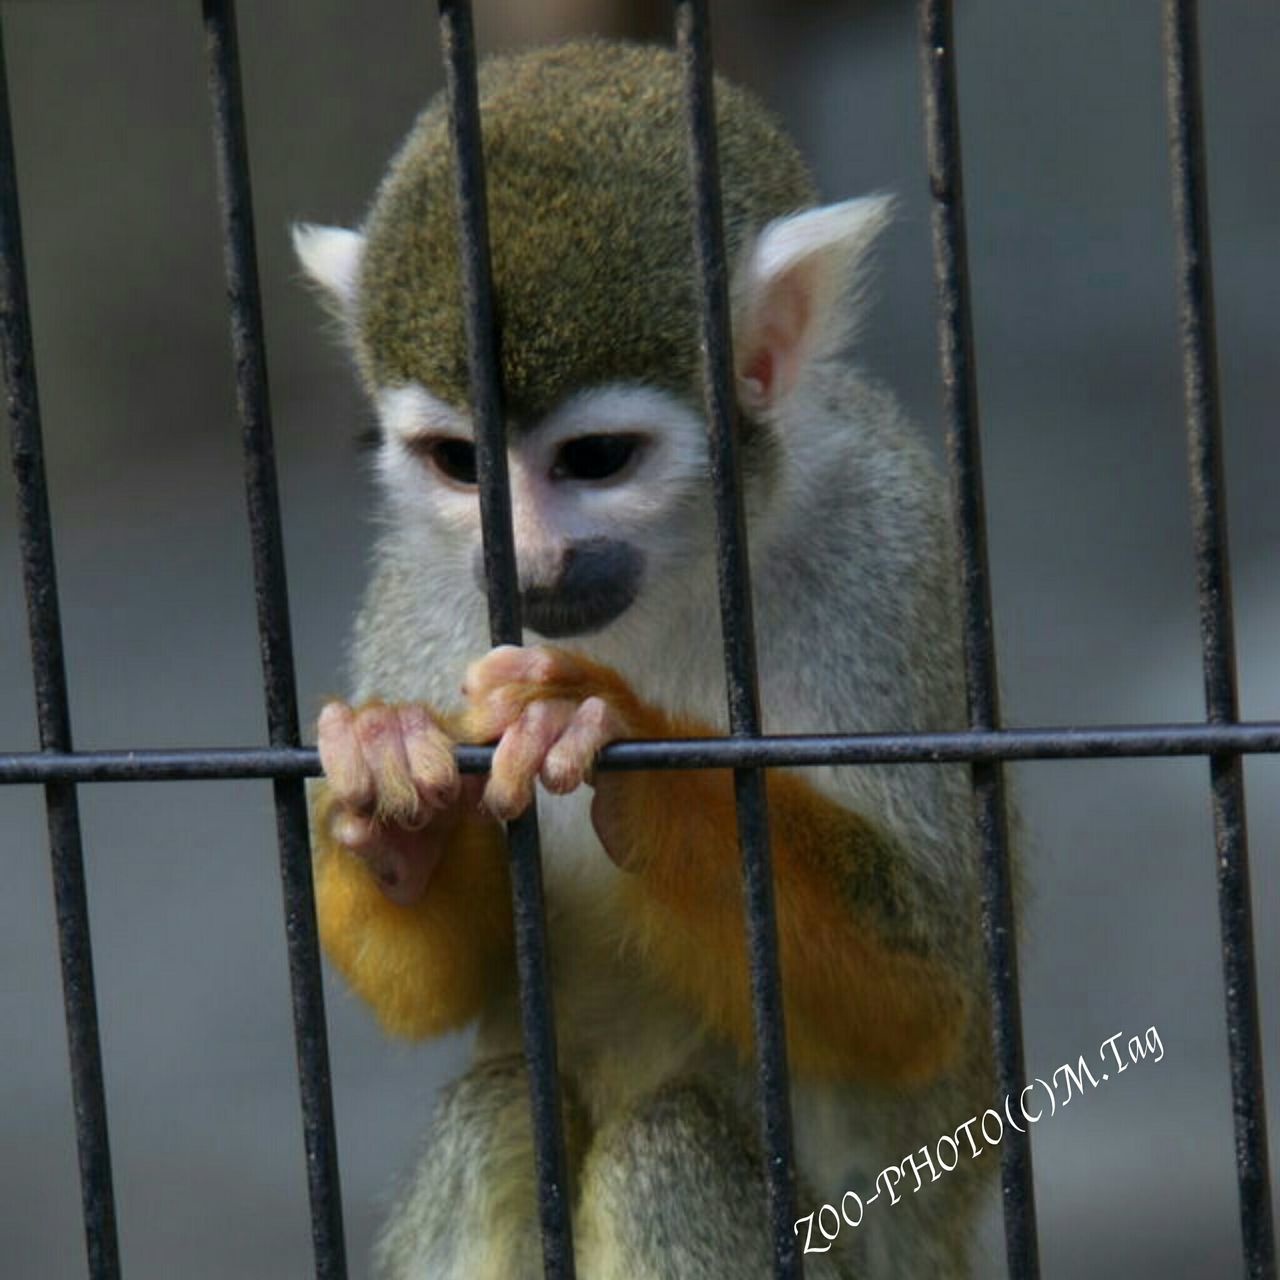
x: 853, y: 574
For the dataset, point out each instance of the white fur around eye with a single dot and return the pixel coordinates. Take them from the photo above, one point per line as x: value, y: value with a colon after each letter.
x: 416, y: 490
x: 677, y: 434
x: 411, y: 410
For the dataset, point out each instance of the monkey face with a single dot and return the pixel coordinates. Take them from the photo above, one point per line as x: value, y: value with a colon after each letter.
x: 608, y: 500
x: 594, y: 295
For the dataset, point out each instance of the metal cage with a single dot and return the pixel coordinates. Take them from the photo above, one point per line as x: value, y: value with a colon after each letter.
x: 1222, y: 737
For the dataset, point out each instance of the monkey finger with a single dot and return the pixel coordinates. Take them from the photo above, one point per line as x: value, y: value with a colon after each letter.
x: 490, y: 716
x: 377, y: 727
x: 349, y: 777
x: 519, y: 756
x: 498, y: 687
x: 569, y: 762
x: 538, y: 666
x: 429, y: 752
x: 501, y: 665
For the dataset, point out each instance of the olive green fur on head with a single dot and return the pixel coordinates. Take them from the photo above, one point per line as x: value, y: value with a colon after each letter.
x: 589, y: 226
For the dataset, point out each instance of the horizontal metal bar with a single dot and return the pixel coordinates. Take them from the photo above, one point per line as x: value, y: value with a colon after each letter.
x: 197, y: 764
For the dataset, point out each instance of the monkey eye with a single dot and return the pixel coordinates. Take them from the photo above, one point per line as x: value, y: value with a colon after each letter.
x: 598, y: 457
x: 454, y: 458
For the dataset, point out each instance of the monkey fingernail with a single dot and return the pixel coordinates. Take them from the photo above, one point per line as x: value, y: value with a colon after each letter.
x: 506, y: 801
x: 398, y: 803
x: 417, y: 821
x: 560, y: 774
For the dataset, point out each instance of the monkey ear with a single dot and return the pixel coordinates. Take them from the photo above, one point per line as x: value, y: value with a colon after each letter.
x: 331, y: 258
x: 792, y: 296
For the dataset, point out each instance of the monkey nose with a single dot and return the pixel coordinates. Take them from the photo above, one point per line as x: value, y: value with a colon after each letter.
x: 585, y: 587
x: 598, y: 581
x: 542, y: 570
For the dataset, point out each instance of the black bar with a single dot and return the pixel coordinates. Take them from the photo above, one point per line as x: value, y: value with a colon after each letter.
x: 53, y: 716
x: 35, y: 534
x: 955, y: 333
x: 791, y: 751
x: 275, y: 641
x: 532, y: 961
x: 1213, y: 578
x: 693, y: 40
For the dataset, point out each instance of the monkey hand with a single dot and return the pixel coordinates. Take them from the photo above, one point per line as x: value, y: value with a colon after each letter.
x: 551, y: 712
x: 394, y: 790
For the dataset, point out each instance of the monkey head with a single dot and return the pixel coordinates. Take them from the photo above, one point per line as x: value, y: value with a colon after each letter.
x: 596, y: 301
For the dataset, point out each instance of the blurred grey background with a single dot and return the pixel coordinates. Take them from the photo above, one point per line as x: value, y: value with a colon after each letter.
x: 1072, y: 252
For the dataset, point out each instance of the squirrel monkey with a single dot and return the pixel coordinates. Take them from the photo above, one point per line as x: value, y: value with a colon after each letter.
x: 876, y: 869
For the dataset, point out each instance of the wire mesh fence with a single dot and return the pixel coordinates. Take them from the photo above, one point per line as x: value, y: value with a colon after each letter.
x: 1222, y: 738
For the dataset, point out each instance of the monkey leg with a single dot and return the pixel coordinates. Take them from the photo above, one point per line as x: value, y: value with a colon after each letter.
x: 672, y: 1190
x: 469, y: 1210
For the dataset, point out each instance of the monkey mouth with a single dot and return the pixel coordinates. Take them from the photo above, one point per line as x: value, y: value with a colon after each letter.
x: 599, y: 582
x: 556, y: 614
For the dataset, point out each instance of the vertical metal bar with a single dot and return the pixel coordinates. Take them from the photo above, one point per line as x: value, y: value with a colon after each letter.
x: 1213, y: 578
x: 458, y: 41
x: 53, y: 716
x: 275, y: 642
x: 955, y: 332
x: 733, y: 573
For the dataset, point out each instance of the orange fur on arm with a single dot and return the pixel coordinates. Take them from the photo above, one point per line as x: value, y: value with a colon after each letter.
x: 430, y: 966
x: 858, y: 1004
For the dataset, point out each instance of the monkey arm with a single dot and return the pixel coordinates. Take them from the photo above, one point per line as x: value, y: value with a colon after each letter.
x: 869, y: 986
x: 860, y: 1003
x: 870, y: 989
x: 429, y: 966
